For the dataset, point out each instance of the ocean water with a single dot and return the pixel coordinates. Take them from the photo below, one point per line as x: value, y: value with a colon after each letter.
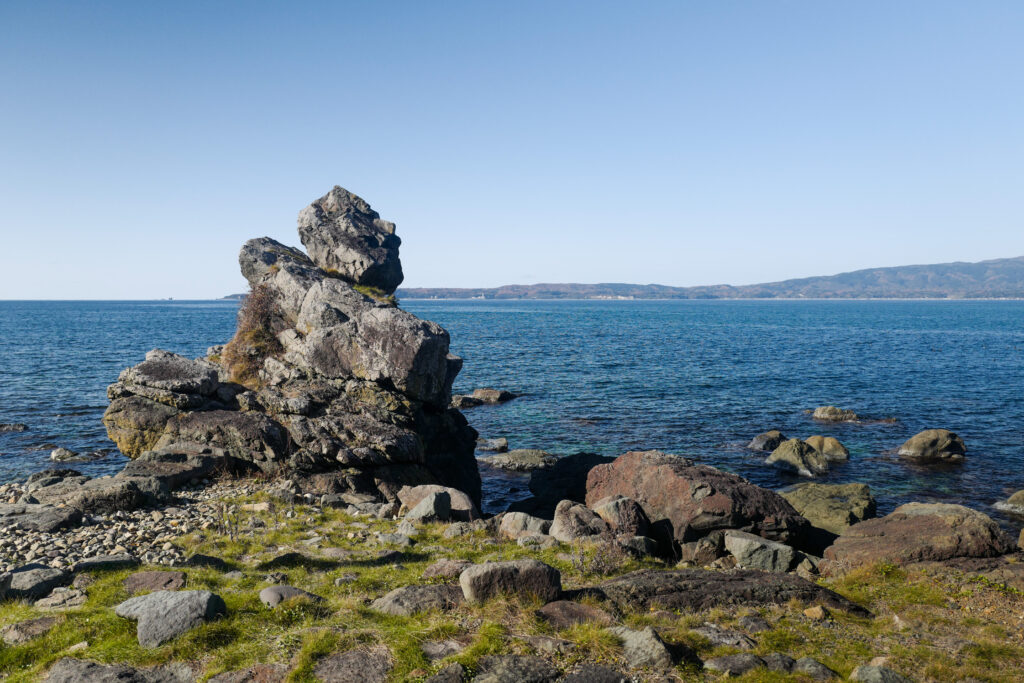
x: 698, y: 378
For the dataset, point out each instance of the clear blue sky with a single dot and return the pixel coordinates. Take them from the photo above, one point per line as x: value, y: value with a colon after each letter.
x: 680, y: 143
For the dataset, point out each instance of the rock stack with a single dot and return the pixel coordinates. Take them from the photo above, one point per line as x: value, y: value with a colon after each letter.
x: 326, y: 380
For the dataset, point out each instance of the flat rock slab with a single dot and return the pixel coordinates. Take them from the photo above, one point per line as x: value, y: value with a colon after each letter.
x: 453, y: 673
x: 409, y: 600
x: 61, y: 599
x: 35, y: 581
x: 448, y: 569
x: 734, y: 665
x: 154, y: 581
x: 918, y: 532
x: 163, y: 615
x: 272, y: 596
x: 562, y: 614
x: 70, y: 670
x: 699, y: 589
x: 520, y: 577
x: 106, y: 563
x: 515, y: 669
x: 35, y: 517
x: 361, y: 665
x: 22, y: 632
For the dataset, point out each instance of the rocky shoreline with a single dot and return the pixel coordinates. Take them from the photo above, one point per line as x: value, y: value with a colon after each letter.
x: 303, y: 504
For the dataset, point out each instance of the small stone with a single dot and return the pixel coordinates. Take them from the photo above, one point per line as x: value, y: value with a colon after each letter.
x: 817, y: 613
x: 643, y: 648
x: 272, y: 596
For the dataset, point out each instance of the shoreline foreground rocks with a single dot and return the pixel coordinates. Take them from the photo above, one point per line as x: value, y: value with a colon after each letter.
x: 326, y: 383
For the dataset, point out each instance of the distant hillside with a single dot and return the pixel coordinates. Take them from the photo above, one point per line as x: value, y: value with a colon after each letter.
x: 998, y: 278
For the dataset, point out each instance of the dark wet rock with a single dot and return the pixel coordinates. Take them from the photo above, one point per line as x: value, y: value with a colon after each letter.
x: 767, y: 441
x: 149, y: 582
x: 798, y: 457
x: 36, y: 517
x: 106, y: 563
x: 447, y: 569
x: 207, y: 561
x: 562, y: 614
x: 521, y: 460
x: 499, y: 445
x: 163, y: 615
x: 409, y: 600
x: 918, y: 532
x: 832, y: 507
x: 777, y: 661
x: 272, y: 596
x: 361, y: 665
x: 24, y: 631
x: 8, y: 427
x: 755, y: 552
x: 694, y: 500
x: 594, y: 673
x: 624, y: 516
x: 934, y: 446
x: 643, y: 648
x: 834, y: 414
x: 718, y: 636
x: 573, y: 521
x: 519, y: 577
x: 349, y: 240
x: 829, y: 447
x: 877, y: 674
x: 734, y: 665
x: 515, y: 669
x: 35, y: 581
x: 699, y: 589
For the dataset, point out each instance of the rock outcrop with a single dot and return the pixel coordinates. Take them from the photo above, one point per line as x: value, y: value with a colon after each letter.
x: 326, y: 381
x: 693, y: 500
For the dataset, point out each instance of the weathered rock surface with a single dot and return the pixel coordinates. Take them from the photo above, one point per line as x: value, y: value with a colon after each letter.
x: 351, y: 397
x: 499, y: 445
x: 348, y: 239
x: 462, y: 506
x: 24, y: 631
x: 934, y: 446
x: 643, y: 648
x: 515, y: 669
x: 518, y: 577
x: 36, y: 517
x: 516, y: 524
x: 34, y: 581
x: 919, y: 532
x: 828, y: 446
x: 798, y: 457
x: 833, y: 507
x: 767, y: 441
x: 699, y: 589
x: 163, y: 615
x: 877, y: 674
x: 624, y: 516
x: 754, y: 552
x: 521, y: 460
x: 573, y: 521
x: 361, y: 665
x: 734, y: 665
x: 272, y: 596
x: 446, y: 569
x: 409, y: 600
x: 594, y: 673
x: 562, y: 614
x: 566, y: 479
x: 71, y: 670
x: 694, y: 499
x: 154, y: 581
x: 834, y: 414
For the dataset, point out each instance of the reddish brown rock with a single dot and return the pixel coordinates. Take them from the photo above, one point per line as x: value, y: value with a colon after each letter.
x: 695, y: 499
x: 918, y: 532
x: 154, y: 581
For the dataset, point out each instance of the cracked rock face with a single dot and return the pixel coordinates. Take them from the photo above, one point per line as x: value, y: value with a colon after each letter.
x: 350, y: 393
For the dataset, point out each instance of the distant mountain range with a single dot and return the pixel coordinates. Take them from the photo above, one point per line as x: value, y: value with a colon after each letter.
x: 995, y: 279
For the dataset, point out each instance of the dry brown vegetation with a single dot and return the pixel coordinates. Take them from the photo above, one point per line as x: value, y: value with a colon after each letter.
x: 255, y: 339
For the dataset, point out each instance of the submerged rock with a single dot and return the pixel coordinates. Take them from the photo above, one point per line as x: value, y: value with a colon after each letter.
x: 798, y: 457
x: 833, y: 507
x: 934, y: 446
x: 828, y: 446
x: 12, y: 427
x: 521, y: 460
x: 767, y: 441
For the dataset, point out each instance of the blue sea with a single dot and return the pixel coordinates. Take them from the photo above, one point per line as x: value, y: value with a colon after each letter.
x: 698, y: 378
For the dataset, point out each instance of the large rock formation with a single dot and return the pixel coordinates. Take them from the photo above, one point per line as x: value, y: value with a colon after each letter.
x: 326, y: 379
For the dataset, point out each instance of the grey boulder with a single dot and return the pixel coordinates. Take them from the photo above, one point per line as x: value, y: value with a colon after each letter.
x: 643, y: 648
x: 574, y: 521
x: 527, y: 578
x: 164, y: 615
x: 755, y: 552
x: 409, y: 600
x: 34, y: 581
x: 272, y: 596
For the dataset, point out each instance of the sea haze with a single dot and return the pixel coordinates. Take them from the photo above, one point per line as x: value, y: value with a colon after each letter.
x: 698, y: 378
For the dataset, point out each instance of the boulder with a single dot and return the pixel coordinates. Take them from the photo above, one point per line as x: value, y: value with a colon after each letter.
x: 36, y: 517
x: 453, y: 673
x: 934, y: 446
x: 694, y: 500
x: 178, y: 464
x: 34, y: 581
x: 409, y: 600
x: 798, y: 457
x: 877, y: 674
x: 734, y: 665
x: 833, y: 507
x: 461, y: 505
x: 24, y: 631
x: 499, y: 445
x: 562, y: 614
x: 834, y: 414
x: 249, y: 437
x: 272, y: 596
x: 446, y: 569
x: 1014, y: 504
x: 164, y: 615
x: 521, y: 460
x: 767, y: 441
x: 515, y: 669
x: 566, y: 479
x: 624, y: 516
x: 434, y: 507
x: 519, y: 577
x: 348, y: 239
x: 136, y: 424
x: 919, y: 532
x: 148, y: 582
x: 595, y: 673
x: 516, y: 524
x: 493, y: 396
x: 102, y: 495
x: 813, y: 669
x: 754, y: 552
x: 71, y: 670
x: 718, y: 636
x: 361, y: 665
x: 574, y: 521
x: 699, y: 589
x: 829, y: 447
x: 643, y: 648
x: 106, y: 563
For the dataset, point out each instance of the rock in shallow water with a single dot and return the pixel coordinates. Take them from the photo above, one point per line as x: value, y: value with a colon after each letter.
x: 798, y: 457
x: 833, y: 507
x: 934, y: 446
